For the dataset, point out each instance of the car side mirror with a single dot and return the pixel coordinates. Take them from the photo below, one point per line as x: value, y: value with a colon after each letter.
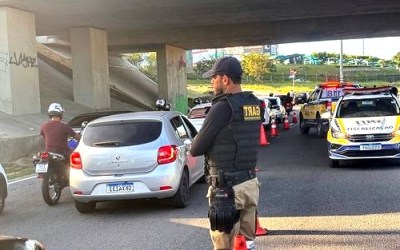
x: 84, y: 124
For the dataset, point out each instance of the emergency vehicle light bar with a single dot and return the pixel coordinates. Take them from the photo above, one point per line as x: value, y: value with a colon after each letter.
x: 336, y: 84
x: 366, y: 91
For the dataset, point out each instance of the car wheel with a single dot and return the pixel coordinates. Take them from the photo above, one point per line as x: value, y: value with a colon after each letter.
x: 335, y: 164
x: 84, y: 207
x: 180, y: 199
x: 321, y: 130
x: 303, y: 128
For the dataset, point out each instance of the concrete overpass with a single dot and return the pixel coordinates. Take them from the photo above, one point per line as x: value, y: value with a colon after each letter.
x: 96, y: 28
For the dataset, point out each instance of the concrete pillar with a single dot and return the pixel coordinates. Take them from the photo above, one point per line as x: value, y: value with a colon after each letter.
x: 19, y: 74
x: 172, y: 80
x: 90, y: 67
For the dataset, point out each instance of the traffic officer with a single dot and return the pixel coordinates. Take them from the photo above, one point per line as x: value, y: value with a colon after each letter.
x: 229, y: 140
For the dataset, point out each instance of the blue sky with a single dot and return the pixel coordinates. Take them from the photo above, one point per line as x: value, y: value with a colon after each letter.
x: 384, y: 48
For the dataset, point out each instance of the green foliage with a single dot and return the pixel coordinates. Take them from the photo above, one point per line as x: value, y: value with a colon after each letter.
x: 203, y: 66
x: 257, y: 65
x: 145, y: 62
x: 396, y: 59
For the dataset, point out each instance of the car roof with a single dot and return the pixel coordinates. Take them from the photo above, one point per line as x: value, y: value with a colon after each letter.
x: 88, y: 117
x: 156, y: 115
x: 202, y: 105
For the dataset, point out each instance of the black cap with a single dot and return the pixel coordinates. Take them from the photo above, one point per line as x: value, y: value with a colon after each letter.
x: 229, y: 66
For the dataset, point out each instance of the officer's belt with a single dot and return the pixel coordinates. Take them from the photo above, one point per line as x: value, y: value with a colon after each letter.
x: 239, y: 177
x: 235, y: 178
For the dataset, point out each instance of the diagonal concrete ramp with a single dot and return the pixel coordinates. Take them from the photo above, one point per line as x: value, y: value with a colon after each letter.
x: 129, y: 88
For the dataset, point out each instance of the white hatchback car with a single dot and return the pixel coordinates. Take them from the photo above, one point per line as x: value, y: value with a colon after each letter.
x: 198, y: 113
x: 132, y: 156
x: 3, y: 188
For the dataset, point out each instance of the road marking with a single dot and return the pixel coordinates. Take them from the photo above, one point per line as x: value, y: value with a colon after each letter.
x: 21, y: 180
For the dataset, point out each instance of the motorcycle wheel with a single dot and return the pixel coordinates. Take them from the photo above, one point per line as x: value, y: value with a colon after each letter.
x: 51, y: 188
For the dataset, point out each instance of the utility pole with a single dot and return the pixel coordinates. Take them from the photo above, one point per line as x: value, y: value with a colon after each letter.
x: 341, y: 62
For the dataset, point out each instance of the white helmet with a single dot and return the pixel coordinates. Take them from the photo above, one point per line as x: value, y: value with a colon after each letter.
x: 55, y: 109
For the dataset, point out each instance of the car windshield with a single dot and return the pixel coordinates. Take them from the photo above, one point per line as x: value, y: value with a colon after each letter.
x: 368, y: 108
x: 122, y: 133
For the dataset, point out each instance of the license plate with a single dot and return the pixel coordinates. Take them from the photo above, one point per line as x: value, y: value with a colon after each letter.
x: 371, y: 147
x: 120, y: 187
x: 41, y: 167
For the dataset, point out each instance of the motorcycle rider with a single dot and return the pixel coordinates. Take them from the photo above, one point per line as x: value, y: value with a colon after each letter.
x: 56, y: 133
x: 163, y: 105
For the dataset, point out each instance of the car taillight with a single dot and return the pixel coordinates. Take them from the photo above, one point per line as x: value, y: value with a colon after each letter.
x: 167, y: 154
x: 263, y: 104
x: 44, y: 155
x: 76, y: 160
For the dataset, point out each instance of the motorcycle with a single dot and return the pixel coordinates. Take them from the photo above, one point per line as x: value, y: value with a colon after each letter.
x: 52, y: 169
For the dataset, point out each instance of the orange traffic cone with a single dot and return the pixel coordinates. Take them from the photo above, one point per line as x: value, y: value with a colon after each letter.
x: 239, y: 243
x: 263, y: 136
x: 294, y: 117
x: 274, y: 129
x: 259, y: 230
x: 286, y: 124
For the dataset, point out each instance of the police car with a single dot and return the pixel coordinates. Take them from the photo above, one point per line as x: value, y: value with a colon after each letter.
x: 318, y: 107
x: 365, y: 125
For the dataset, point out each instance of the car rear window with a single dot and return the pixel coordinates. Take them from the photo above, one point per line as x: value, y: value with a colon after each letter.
x: 198, y: 113
x: 273, y: 101
x: 122, y: 133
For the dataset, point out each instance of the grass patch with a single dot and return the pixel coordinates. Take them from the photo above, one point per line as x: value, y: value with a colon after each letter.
x: 20, y: 168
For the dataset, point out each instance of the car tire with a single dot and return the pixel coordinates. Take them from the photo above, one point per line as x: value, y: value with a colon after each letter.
x: 3, y: 194
x: 321, y: 128
x: 335, y: 164
x: 303, y: 127
x: 84, y: 207
x: 181, y: 198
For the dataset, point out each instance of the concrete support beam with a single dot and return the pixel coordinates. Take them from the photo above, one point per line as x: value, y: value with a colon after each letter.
x: 172, y: 79
x: 90, y: 67
x: 19, y: 75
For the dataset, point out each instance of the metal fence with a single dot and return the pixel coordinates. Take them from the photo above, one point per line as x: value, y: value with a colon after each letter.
x: 349, y: 77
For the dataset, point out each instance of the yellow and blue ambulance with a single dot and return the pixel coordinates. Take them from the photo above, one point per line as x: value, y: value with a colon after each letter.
x: 365, y: 125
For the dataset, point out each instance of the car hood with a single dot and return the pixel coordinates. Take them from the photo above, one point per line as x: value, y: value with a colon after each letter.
x: 368, y: 125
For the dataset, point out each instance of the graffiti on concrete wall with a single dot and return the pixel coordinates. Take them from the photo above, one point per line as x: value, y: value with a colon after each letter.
x: 22, y: 60
x: 17, y: 59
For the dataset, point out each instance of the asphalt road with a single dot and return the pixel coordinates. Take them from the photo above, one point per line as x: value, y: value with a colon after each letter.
x: 304, y: 204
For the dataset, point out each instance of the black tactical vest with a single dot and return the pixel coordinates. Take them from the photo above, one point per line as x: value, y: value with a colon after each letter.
x: 235, y: 146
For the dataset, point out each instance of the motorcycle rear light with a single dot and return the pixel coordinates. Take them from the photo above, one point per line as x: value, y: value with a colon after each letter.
x: 44, y: 155
x: 167, y: 154
x: 76, y: 160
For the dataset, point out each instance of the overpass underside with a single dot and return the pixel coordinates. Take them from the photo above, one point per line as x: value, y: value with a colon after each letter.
x: 96, y: 75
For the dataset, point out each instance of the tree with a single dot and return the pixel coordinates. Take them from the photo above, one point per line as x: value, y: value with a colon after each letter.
x: 396, y: 59
x: 257, y: 65
x: 203, y: 66
x: 145, y: 62
x: 136, y: 59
